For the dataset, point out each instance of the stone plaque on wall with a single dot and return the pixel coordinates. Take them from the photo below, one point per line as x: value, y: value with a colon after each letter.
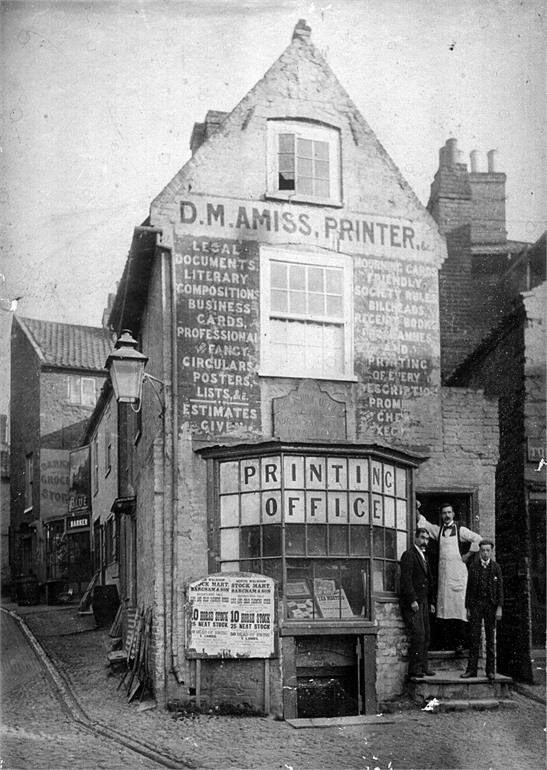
x: 308, y: 413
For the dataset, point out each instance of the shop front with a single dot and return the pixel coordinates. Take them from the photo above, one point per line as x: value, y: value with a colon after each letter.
x: 328, y: 523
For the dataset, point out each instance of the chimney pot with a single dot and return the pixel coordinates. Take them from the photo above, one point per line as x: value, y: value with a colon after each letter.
x: 452, y: 151
x: 474, y: 157
x: 302, y: 31
x: 492, y: 161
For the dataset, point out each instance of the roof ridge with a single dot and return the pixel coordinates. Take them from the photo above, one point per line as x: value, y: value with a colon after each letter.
x: 72, y: 346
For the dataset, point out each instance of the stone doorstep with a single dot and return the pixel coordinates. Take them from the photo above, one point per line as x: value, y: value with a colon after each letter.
x: 475, y: 703
x: 449, y: 676
x: 449, y: 686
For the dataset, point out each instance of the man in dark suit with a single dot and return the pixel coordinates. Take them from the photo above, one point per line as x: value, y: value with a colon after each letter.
x: 417, y: 592
x: 483, y: 601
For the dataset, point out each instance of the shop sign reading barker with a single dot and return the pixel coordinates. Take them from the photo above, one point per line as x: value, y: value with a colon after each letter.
x: 231, y: 615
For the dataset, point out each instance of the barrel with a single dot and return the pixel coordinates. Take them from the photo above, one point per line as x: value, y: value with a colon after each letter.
x: 105, y: 602
x: 28, y: 590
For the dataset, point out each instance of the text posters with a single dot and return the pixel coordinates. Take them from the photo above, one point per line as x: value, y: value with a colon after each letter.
x: 231, y: 616
x: 217, y: 332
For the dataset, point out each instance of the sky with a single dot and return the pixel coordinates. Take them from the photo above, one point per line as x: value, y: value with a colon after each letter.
x: 99, y: 101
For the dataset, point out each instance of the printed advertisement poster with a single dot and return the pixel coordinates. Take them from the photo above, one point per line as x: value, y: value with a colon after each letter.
x: 79, y: 494
x: 231, y: 616
x: 54, y: 477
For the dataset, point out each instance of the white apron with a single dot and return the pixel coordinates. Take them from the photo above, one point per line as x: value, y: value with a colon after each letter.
x: 452, y: 580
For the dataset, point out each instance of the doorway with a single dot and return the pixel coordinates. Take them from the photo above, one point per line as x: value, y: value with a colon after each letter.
x: 464, y: 507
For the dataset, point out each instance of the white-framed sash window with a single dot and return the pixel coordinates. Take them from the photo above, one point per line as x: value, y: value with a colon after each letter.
x: 304, y: 162
x: 306, y: 314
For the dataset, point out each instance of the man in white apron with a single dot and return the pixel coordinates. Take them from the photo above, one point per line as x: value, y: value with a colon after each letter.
x: 452, y: 573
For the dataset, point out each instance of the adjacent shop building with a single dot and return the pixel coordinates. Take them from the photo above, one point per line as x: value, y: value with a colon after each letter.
x: 57, y: 371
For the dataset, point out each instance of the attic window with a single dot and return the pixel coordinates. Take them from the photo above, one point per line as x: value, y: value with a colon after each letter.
x: 81, y: 390
x: 303, y: 162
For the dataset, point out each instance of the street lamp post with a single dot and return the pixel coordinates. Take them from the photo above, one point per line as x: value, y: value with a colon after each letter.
x: 126, y: 368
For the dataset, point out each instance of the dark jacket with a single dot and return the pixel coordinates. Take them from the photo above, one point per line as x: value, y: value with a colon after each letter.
x: 495, y: 584
x: 416, y: 579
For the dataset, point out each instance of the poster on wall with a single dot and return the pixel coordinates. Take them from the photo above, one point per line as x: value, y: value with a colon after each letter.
x: 79, y: 493
x: 231, y: 615
x: 54, y: 479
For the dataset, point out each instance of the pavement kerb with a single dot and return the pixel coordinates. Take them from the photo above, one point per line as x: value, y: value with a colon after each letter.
x: 522, y: 689
x: 71, y: 704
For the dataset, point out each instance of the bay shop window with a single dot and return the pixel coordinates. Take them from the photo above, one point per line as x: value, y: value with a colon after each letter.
x: 328, y: 527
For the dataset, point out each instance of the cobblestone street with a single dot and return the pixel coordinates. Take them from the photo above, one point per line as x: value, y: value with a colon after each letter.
x: 36, y: 730
x: 38, y: 734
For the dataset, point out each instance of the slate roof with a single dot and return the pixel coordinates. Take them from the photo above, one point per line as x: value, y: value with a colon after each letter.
x: 68, y: 345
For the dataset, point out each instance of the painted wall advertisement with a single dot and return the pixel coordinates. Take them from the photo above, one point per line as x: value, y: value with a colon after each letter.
x: 217, y: 329
x: 397, y: 356
x: 395, y: 320
x: 54, y: 479
x: 231, y: 615
x: 79, y: 493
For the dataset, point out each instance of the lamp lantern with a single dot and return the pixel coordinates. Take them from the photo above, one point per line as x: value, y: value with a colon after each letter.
x: 126, y: 368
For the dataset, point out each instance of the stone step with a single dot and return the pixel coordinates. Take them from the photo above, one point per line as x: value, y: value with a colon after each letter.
x: 475, y: 703
x: 449, y: 686
x: 443, y: 660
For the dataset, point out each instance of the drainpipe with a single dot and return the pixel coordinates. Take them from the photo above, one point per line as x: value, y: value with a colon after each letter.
x: 174, y: 608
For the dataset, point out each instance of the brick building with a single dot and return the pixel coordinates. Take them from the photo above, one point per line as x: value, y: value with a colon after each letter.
x: 492, y: 320
x: 285, y: 289
x: 56, y: 373
x: 509, y: 364
x: 469, y: 208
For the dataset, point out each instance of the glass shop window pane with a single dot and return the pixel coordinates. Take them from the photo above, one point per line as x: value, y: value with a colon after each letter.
x: 338, y: 539
x: 338, y: 588
x: 229, y: 544
x: 299, y: 592
x: 359, y: 539
x: 251, y: 565
x: 354, y: 581
x: 391, y: 544
x: 317, y: 539
x: 250, y: 542
x: 271, y: 540
x: 378, y: 575
x: 295, y: 539
x: 271, y: 568
x: 378, y: 541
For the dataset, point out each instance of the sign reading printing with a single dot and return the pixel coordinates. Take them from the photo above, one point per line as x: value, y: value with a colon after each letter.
x: 231, y: 615
x: 352, y: 232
